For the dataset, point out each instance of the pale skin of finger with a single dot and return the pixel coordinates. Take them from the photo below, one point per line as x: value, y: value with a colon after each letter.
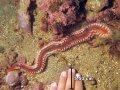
x: 62, y: 81
x: 68, y: 83
x: 78, y: 84
x: 53, y: 86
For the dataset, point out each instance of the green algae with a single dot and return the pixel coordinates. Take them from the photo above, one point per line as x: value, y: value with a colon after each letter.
x: 94, y: 62
x: 23, y: 6
x: 96, y: 5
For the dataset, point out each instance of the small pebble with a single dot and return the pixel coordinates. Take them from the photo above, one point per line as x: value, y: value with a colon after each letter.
x: 93, y: 82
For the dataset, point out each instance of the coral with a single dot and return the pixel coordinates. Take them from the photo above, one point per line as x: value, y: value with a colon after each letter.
x: 63, y: 14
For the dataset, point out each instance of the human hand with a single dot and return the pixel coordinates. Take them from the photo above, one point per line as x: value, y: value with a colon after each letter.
x: 65, y: 81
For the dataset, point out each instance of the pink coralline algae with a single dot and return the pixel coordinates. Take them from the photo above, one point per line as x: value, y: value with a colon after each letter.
x: 62, y: 14
x: 115, y: 48
x: 1, y: 68
x: 1, y: 81
x: 16, y: 79
x: 20, y: 59
x: 24, y: 16
x: 12, y: 78
x: 107, y: 14
x: 24, y: 22
x: 38, y: 86
x: 44, y: 5
x: 44, y: 25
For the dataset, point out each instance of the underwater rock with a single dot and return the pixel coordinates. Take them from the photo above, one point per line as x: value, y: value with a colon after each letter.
x: 38, y: 86
x: 115, y: 48
x: 24, y: 80
x: 117, y: 4
x: 44, y: 25
x: 61, y: 14
x: 45, y: 5
x: 107, y: 14
x: 1, y: 80
x: 18, y: 87
x: 20, y: 59
x: 1, y: 68
x: 104, y: 16
x: 16, y: 58
x: 24, y: 22
x: 12, y: 78
x: 96, y: 5
x: 116, y: 8
x: 11, y: 57
x: 24, y: 17
x: 16, y: 79
x: 57, y: 30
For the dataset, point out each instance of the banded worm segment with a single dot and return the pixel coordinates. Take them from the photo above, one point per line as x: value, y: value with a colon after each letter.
x: 80, y: 36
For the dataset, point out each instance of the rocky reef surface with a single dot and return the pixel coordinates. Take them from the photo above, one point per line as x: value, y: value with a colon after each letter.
x: 16, y: 46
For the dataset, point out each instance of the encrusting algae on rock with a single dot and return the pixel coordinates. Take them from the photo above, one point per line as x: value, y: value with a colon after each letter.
x: 60, y: 18
x: 24, y: 17
x: 68, y: 17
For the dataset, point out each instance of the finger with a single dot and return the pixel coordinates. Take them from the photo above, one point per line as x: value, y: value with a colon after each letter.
x: 78, y: 83
x: 62, y: 81
x: 68, y: 84
x: 53, y: 86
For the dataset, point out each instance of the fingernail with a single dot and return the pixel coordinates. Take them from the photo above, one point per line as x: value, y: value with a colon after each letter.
x: 54, y: 85
x: 78, y: 75
x: 73, y: 71
x: 64, y: 74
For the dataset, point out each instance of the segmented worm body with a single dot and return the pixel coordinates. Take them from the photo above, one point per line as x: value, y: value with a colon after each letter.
x: 80, y: 36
